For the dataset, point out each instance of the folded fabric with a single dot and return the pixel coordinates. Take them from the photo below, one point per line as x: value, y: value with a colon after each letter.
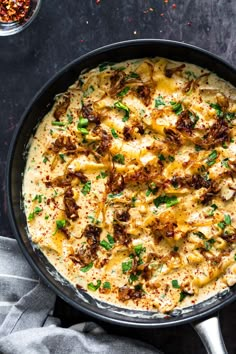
x: 26, y: 322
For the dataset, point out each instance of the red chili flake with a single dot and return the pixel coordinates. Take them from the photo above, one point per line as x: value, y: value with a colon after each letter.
x: 13, y: 11
x: 174, y: 6
x: 98, y: 2
x: 82, y: 41
x: 166, y: 1
x: 189, y: 23
x: 162, y: 15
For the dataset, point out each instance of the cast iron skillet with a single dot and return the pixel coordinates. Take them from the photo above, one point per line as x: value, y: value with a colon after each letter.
x: 202, y: 315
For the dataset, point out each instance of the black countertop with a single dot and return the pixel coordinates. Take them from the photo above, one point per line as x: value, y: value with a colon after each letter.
x: 65, y: 30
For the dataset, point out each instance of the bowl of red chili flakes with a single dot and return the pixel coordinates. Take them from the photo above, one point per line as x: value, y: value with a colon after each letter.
x: 16, y: 15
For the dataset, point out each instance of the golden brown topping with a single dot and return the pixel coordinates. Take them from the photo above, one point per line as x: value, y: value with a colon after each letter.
x: 125, y: 293
x: 222, y: 101
x: 170, y: 71
x: 71, y: 208
x: 117, y: 82
x: 210, y: 193
x: 186, y: 123
x: 144, y: 93
x: 115, y: 182
x: 61, y: 107
x: 87, y: 112
x: 63, y: 142
x: 172, y: 136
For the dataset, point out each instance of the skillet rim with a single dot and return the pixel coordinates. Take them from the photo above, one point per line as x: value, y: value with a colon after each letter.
x: 43, y: 273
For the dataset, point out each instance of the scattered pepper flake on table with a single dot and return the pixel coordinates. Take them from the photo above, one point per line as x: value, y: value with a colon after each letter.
x: 174, y: 6
x: 13, y: 11
x: 150, y: 9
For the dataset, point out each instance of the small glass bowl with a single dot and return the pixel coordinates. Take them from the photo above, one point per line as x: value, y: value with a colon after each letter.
x: 9, y: 28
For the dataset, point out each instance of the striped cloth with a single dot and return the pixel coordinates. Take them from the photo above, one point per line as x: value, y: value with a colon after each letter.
x: 27, y: 324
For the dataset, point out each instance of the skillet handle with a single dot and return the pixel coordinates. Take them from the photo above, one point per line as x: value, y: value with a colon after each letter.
x: 210, y: 333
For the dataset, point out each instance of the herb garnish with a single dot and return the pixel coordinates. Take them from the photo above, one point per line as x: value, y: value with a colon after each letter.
x: 105, y: 245
x: 124, y: 91
x: 36, y: 211
x: 94, y: 287
x: 126, y: 266
x: 86, y: 188
x: 114, y: 133
x: 225, y: 163
x: 164, y: 199
x: 211, y: 159
x: 59, y: 124
x: 106, y: 285
x: 123, y: 107
x: 159, y: 102
x: 38, y: 198
x: 175, y: 284
x: 102, y: 175
x: 218, y: 109
x: 119, y: 158
x: 176, y: 107
x: 213, y: 208
x: 87, y: 267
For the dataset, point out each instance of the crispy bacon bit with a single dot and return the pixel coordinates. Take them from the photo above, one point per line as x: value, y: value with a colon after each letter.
x: 65, y: 232
x: 172, y: 136
x: 120, y: 233
x: 63, y: 142
x: 92, y: 233
x: 65, y: 180
x: 125, y: 293
x: 217, y: 134
x: 210, y: 193
x: 117, y: 82
x: 70, y: 205
x: 187, y: 86
x: 229, y: 237
x: 164, y: 229
x: 184, y: 122
x: 171, y: 71
x: 106, y: 140
x: 196, y: 82
x: 87, y: 112
x: 61, y: 107
x: 139, y: 127
x: 195, y: 181
x: 83, y: 256
x: 127, y: 132
x: 145, y: 174
x: 115, y: 182
x: 222, y: 101
x: 122, y: 215
x: 144, y: 93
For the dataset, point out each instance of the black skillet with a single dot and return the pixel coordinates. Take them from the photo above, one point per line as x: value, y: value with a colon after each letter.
x: 202, y: 316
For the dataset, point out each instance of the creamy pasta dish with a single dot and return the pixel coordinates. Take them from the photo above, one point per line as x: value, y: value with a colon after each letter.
x: 129, y: 188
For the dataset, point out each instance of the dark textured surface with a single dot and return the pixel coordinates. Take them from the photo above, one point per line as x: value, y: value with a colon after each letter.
x: 63, y: 31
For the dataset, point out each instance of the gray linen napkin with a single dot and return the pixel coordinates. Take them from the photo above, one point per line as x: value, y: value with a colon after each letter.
x: 26, y: 322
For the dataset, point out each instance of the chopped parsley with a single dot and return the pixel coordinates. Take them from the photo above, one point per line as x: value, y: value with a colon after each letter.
x: 110, y: 239
x: 213, y: 208
x: 139, y: 249
x: 119, y: 158
x: 171, y: 158
x: 45, y: 159
x: 114, y: 133
x: 69, y: 118
x: 94, y: 287
x: 106, y: 285
x: 94, y: 220
x: 126, y: 266
x: 226, y: 222
x: 175, y: 284
x: 132, y: 278
x: 86, y: 188
x: 225, y: 163
x: 62, y: 157
x: 190, y: 75
x: 102, y: 175
x: 89, y: 90
x: 104, y: 66
x: 38, y: 198
x: 161, y: 157
x: 218, y: 109
x: 152, y: 189
x: 176, y: 248
x: 133, y: 75
x: 133, y: 200
x: 227, y: 219
x: 211, y: 159
x: 83, y: 131
x: 198, y: 148
x: 87, y: 267
x: 176, y: 107
x: 164, y: 199
x: 230, y: 116
x: 105, y: 245
x: 159, y: 102
x: 183, y: 295
x: 60, y: 224
x: 124, y: 92
x: 209, y: 243
x: 36, y: 211
x: 123, y: 107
